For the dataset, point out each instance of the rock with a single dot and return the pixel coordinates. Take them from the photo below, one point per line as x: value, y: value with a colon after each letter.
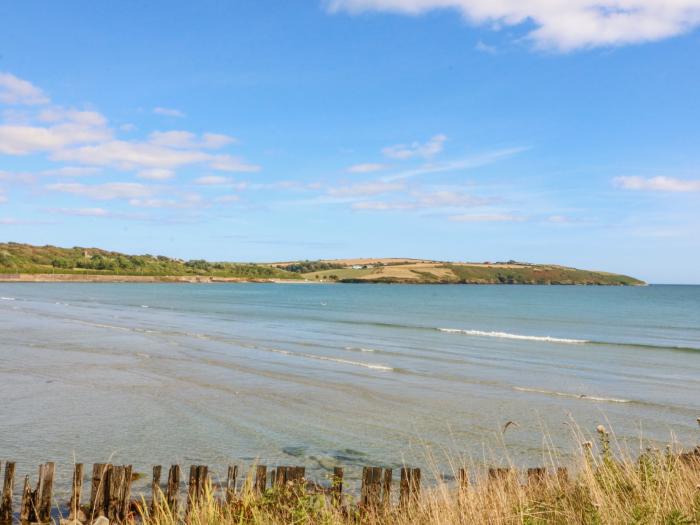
x: 81, y: 516
x: 100, y: 521
x: 69, y: 522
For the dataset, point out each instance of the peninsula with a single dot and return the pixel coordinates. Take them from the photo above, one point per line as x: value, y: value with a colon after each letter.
x: 24, y: 262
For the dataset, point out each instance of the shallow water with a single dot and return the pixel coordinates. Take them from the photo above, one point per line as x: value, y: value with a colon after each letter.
x: 338, y: 374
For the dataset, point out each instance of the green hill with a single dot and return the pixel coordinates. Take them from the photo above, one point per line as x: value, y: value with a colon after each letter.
x: 25, y: 259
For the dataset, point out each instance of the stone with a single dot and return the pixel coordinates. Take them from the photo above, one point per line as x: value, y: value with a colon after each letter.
x: 100, y: 521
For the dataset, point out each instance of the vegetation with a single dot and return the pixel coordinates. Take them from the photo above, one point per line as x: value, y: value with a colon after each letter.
x: 311, y: 266
x: 24, y: 258
x: 660, y: 487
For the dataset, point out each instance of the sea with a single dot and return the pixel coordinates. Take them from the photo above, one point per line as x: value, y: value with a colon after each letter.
x: 325, y: 375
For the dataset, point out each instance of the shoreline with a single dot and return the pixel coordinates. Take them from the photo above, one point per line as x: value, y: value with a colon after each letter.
x: 96, y: 278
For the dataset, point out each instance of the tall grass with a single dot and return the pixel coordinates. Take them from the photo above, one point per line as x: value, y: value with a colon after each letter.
x: 603, y: 486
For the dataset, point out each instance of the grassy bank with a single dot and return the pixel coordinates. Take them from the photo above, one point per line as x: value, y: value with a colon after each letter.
x: 659, y: 487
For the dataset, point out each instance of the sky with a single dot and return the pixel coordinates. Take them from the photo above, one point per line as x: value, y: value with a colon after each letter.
x: 263, y: 130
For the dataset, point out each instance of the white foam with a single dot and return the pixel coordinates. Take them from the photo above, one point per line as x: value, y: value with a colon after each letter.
x: 144, y: 306
x: 506, y: 335
x: 371, y: 366
x: 7, y: 298
x: 360, y: 349
x: 574, y: 396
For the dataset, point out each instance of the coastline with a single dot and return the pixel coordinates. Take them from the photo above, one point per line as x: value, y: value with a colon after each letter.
x: 96, y: 278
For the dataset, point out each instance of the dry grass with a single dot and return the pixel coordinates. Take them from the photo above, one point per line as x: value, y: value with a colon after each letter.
x: 660, y: 486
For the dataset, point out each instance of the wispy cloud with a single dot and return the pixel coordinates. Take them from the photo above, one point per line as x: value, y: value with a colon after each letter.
x: 168, y: 112
x: 212, y: 180
x: 475, y: 161
x: 83, y: 212
x: 416, y: 149
x: 366, y: 168
x: 368, y: 188
x: 562, y: 25
x: 14, y: 90
x: 156, y: 174
x: 661, y: 184
x: 494, y: 217
x: 107, y: 191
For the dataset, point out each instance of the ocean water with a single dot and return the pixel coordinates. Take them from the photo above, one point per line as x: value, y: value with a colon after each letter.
x: 325, y: 375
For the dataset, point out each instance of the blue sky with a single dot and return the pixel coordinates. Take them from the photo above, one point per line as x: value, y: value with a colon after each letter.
x: 273, y: 130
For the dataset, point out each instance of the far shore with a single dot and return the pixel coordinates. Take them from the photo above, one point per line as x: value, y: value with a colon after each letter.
x: 95, y: 278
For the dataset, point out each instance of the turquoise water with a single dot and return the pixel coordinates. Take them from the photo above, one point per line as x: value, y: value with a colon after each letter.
x: 339, y: 374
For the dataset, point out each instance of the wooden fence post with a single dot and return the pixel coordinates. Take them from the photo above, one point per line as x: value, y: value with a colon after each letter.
x: 231, y: 483
x: 173, y: 488
x: 386, y: 488
x: 126, y: 493
x: 260, y: 479
x: 116, y: 477
x: 536, y: 476
x: 337, y: 485
x: 155, y: 489
x: 26, y: 505
x: 76, y: 491
x: 44, y: 492
x: 7, y: 488
x: 97, y: 489
x: 371, y: 491
x: 409, y: 488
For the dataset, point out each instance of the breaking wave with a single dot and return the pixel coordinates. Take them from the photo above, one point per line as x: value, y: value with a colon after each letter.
x: 574, y: 396
x: 506, y: 335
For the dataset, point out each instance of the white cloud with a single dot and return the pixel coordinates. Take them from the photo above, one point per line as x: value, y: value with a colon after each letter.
x: 168, y: 112
x: 14, y: 90
x: 83, y: 212
x: 476, y: 161
x: 559, y: 24
x: 23, y: 139
x: 3, y: 198
x: 368, y: 188
x: 668, y: 184
x: 232, y: 164
x: 156, y: 174
x: 188, y: 200
x: 72, y: 171
x: 130, y: 155
x: 107, y: 191
x: 212, y: 180
x: 366, y: 168
x: 494, y: 217
x: 187, y: 140
x: 425, y: 200
x: 416, y: 149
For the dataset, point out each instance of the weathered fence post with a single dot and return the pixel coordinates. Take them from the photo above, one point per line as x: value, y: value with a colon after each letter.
x: 76, y: 491
x: 155, y: 489
x: 126, y: 493
x: 386, y: 488
x: 231, y: 483
x: 173, y: 493
x: 7, y: 488
x: 337, y: 485
x: 409, y: 488
x: 562, y: 475
x: 26, y: 505
x: 371, y: 491
x: 463, y: 479
x: 114, y: 490
x: 44, y: 492
x: 97, y: 489
x: 260, y: 479
x: 536, y: 476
